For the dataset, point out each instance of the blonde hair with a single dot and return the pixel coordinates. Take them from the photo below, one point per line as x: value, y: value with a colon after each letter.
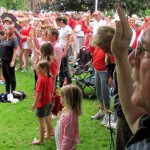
x: 103, y: 36
x: 44, y: 64
x: 72, y: 98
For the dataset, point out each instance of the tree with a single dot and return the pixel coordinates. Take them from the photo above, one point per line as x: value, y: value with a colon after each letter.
x: 139, y: 7
x: 14, y: 4
x: 130, y: 6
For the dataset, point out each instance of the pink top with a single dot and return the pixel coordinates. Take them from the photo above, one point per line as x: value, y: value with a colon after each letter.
x: 58, y: 53
x: 69, y: 126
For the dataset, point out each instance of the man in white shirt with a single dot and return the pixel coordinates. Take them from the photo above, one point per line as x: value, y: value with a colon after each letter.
x: 98, y: 21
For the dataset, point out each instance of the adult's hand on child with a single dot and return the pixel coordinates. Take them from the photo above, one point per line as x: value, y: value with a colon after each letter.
x: 122, y: 37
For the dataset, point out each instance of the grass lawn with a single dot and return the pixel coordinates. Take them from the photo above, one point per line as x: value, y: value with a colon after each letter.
x: 19, y: 126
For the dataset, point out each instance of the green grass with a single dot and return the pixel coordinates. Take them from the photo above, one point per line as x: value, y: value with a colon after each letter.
x: 18, y: 125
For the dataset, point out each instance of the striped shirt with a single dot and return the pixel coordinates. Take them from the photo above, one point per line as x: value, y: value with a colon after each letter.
x: 141, y: 139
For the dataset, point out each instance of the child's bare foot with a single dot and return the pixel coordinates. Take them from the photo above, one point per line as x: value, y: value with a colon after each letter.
x: 37, y: 142
x: 46, y: 136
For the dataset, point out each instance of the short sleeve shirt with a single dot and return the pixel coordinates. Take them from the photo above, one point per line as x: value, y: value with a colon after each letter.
x: 7, y: 48
x: 44, y: 86
x: 53, y: 67
x: 63, y: 33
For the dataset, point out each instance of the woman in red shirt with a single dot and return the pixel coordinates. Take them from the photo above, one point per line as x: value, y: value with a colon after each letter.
x: 101, y: 84
x: 24, y: 48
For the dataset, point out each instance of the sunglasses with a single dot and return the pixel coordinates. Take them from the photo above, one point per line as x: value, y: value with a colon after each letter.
x: 139, y: 50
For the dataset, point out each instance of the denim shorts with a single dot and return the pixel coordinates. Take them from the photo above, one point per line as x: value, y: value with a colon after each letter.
x: 43, y: 111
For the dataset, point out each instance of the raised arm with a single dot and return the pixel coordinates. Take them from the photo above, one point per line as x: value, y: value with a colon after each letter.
x: 119, y: 48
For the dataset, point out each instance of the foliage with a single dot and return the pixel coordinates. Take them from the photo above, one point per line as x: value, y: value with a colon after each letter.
x: 14, y: 4
x: 130, y: 6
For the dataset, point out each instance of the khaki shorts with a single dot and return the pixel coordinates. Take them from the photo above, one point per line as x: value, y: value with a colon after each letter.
x: 43, y: 111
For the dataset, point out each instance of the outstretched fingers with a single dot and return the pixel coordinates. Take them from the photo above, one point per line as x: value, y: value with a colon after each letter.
x: 127, y: 33
x: 116, y: 42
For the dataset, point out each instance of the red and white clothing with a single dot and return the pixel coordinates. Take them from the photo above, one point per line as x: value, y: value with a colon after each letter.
x: 23, y: 41
x: 135, y: 38
x: 44, y: 86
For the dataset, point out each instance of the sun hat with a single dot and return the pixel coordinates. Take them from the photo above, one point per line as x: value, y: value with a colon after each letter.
x: 7, y: 19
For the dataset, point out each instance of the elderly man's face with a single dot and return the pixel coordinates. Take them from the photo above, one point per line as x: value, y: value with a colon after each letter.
x: 140, y: 60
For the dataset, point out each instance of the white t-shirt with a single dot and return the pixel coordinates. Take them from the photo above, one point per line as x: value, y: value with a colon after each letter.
x: 97, y: 24
x: 57, y: 135
x: 63, y: 32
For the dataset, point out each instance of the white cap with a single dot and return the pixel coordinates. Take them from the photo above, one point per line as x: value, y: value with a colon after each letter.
x: 138, y: 22
x: 68, y: 13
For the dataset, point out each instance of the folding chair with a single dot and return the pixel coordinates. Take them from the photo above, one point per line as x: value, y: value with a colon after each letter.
x: 88, y: 82
x: 111, y: 127
x: 81, y: 64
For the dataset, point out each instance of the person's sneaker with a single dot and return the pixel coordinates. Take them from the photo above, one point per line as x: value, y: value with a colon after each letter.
x: 99, y: 115
x: 111, y: 125
x: 24, y: 70
x: 18, y: 68
x: 105, y: 119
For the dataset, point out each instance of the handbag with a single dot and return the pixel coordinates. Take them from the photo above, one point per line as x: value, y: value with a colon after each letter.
x: 56, y: 103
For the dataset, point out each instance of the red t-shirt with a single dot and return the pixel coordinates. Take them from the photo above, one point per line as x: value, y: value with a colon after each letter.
x: 98, y: 59
x: 71, y: 23
x: 53, y: 67
x: 25, y: 32
x: 44, y: 86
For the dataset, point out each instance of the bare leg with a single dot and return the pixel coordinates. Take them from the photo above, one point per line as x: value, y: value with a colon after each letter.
x: 49, y: 127
x: 26, y: 57
x: 42, y: 129
x: 20, y: 56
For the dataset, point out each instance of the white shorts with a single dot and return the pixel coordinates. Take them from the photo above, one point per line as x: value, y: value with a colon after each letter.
x: 25, y: 45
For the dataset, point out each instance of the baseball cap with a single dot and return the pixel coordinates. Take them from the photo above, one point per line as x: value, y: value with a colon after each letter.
x: 68, y: 13
x: 138, y: 22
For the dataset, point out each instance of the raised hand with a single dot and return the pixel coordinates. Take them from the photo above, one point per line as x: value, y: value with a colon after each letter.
x: 122, y: 37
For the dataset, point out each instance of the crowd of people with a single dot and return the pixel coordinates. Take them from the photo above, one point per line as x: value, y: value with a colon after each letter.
x: 55, y: 39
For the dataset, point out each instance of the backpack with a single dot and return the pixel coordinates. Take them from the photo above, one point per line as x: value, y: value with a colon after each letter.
x: 3, y: 97
x: 19, y: 94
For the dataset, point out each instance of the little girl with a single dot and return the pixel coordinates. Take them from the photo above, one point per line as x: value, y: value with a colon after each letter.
x: 47, y: 53
x: 67, y: 128
x: 42, y: 103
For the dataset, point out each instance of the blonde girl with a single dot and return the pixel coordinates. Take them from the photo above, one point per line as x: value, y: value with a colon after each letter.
x: 67, y: 128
